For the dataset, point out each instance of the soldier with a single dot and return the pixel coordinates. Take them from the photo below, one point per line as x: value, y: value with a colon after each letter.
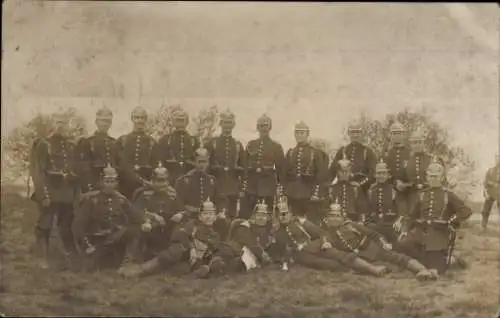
x: 304, y: 171
x: 264, y: 163
x: 161, y: 210
x: 429, y: 231
x: 397, y: 157
x: 363, y: 159
x: 55, y: 181
x: 299, y: 240
x: 134, y: 155
x: 369, y: 245
x: 351, y: 198
x: 491, y: 191
x: 382, y: 207
x: 176, y: 151
x: 106, y: 225
x: 195, y: 241
x: 227, y: 157
x: 96, y: 152
x: 254, y: 237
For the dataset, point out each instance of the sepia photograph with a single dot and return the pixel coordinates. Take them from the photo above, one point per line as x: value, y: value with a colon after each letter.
x: 250, y: 159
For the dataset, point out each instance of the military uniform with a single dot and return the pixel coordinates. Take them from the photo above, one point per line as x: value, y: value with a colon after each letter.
x: 431, y: 226
x: 176, y: 151
x: 491, y: 193
x: 194, y: 188
x: 94, y: 153
x: 227, y: 162
x: 383, y: 209
x: 106, y: 228
x: 55, y: 189
x: 264, y: 164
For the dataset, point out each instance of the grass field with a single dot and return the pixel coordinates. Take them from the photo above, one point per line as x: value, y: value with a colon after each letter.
x: 27, y: 290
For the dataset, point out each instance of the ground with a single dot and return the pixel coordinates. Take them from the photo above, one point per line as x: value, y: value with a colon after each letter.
x: 27, y: 290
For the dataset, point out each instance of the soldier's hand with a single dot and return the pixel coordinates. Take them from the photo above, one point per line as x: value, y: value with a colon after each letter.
x: 398, y: 225
x: 159, y: 219
x: 45, y: 202
x: 387, y: 246
x: 146, y: 227
x: 222, y: 214
x: 314, y: 198
x: 326, y: 246
x: 402, y: 236
x: 400, y: 185
x: 177, y: 217
x: 284, y: 267
x: 90, y: 249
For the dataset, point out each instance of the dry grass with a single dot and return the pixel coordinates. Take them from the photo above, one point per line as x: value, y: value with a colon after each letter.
x: 27, y: 290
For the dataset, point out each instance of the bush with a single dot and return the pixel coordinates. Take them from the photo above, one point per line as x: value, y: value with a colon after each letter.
x: 459, y: 165
x: 18, y: 143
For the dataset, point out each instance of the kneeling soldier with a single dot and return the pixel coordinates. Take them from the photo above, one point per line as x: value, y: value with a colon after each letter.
x: 106, y: 225
x: 161, y: 209
x: 368, y: 244
x: 195, y: 241
x: 429, y: 231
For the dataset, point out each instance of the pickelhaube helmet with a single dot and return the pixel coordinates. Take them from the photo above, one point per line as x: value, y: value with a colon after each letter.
x: 381, y: 166
x: 418, y: 134
x: 202, y: 153
x: 139, y: 112
x: 109, y: 172
x: 264, y: 123
x: 160, y: 172
x: 227, y: 119
x: 261, y: 208
x: 301, y: 126
x: 435, y: 167
x: 344, y: 163
x: 208, y: 206
x: 104, y: 113
x: 397, y: 127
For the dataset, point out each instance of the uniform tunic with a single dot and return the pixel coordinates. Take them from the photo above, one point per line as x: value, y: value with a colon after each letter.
x: 194, y: 188
x: 383, y: 209
x: 352, y: 201
x: 363, y: 161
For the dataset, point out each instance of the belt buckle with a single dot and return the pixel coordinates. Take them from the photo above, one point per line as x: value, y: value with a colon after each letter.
x: 181, y: 163
x: 420, y: 186
x: 226, y: 169
x: 259, y: 170
x: 136, y: 167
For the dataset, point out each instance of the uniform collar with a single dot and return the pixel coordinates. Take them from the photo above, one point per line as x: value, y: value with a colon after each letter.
x: 97, y: 133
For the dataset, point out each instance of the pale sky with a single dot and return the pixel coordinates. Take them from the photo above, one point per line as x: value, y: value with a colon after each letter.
x: 322, y: 63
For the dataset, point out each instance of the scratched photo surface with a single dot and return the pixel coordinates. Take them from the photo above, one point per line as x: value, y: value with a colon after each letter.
x: 325, y: 64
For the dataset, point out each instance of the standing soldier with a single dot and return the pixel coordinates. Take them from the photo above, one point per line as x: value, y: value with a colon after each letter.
x: 96, y: 152
x: 397, y: 157
x: 106, y: 226
x: 491, y: 191
x: 429, y: 231
x: 351, y: 199
x: 382, y: 208
x: 134, y: 155
x: 227, y: 157
x: 363, y: 159
x: 159, y: 204
x: 176, y: 151
x: 264, y: 164
x: 304, y: 170
x: 55, y: 184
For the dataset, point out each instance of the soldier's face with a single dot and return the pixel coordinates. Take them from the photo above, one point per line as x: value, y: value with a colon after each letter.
x: 263, y: 128
x: 260, y: 219
x: 227, y: 127
x: 285, y: 217
x: 207, y: 218
x: 397, y: 137
x: 334, y: 220
x: 355, y: 135
x: 434, y: 179
x: 180, y: 123
x: 109, y: 185
x: 202, y: 164
x: 139, y: 121
x: 381, y: 176
x: 301, y: 136
x: 60, y: 126
x: 102, y: 124
x: 417, y: 145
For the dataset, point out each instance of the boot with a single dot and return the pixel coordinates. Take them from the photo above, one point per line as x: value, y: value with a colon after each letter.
x: 138, y: 270
x: 360, y: 265
x: 201, y: 272
x: 421, y: 272
x: 42, y: 247
x: 484, y: 222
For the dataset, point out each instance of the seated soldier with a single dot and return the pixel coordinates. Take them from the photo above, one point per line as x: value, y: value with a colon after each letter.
x: 348, y: 193
x: 299, y: 240
x: 382, y: 205
x: 348, y: 236
x: 161, y: 211
x: 106, y: 226
x: 253, y: 237
x: 195, y: 241
x: 429, y: 231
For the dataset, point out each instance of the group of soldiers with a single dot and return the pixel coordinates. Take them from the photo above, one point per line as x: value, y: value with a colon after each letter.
x: 143, y: 206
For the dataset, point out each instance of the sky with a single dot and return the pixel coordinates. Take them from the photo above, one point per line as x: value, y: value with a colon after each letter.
x: 323, y: 63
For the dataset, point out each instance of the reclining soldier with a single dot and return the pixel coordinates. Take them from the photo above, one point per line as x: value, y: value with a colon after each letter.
x: 106, y: 226
x: 429, y: 231
x: 195, y: 242
x: 352, y: 237
x: 161, y: 210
